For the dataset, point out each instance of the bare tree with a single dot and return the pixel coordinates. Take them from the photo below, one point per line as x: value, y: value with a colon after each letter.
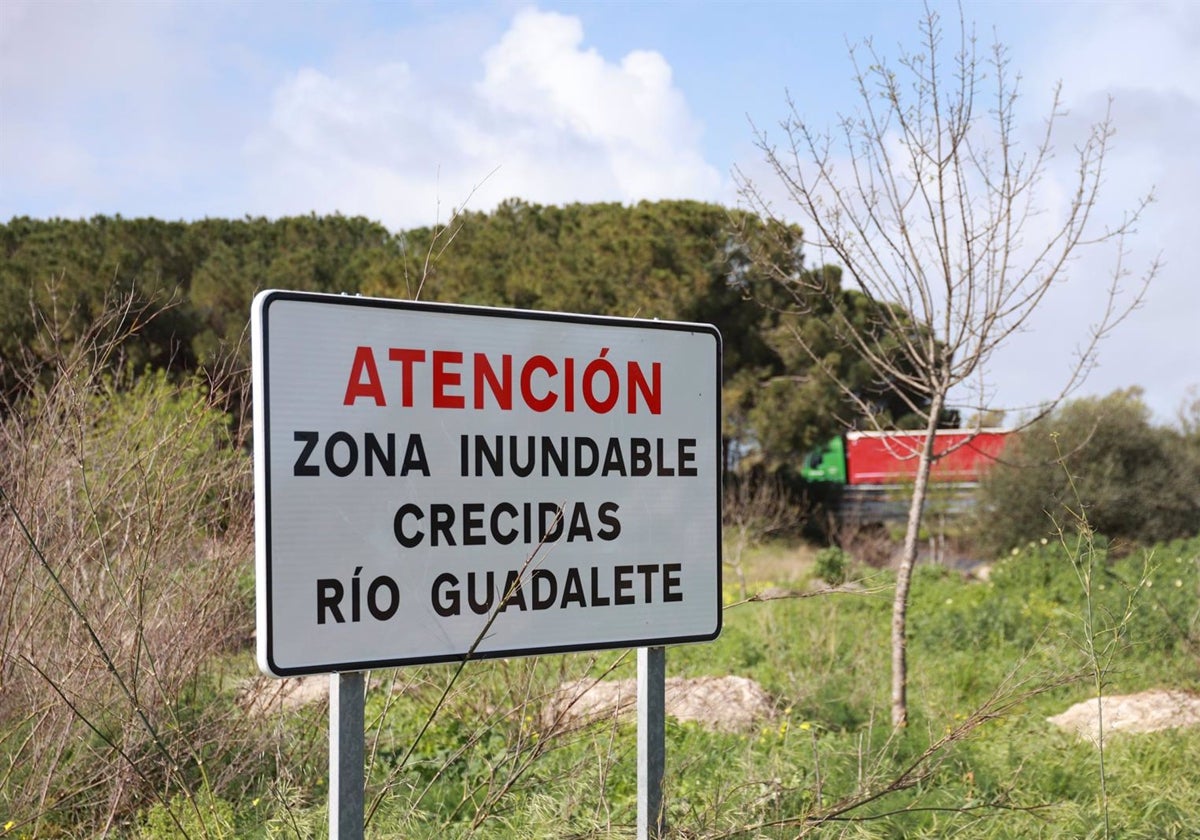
x: 938, y: 213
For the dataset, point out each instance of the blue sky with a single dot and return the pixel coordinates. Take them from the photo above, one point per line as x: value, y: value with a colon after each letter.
x: 403, y: 111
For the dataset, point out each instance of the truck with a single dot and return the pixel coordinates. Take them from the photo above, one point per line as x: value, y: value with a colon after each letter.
x: 867, y: 476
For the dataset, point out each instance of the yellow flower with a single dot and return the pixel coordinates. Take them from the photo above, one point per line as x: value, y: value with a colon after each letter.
x: 806, y: 726
x: 8, y: 826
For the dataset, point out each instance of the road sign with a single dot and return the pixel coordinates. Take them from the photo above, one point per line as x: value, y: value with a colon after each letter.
x: 437, y: 482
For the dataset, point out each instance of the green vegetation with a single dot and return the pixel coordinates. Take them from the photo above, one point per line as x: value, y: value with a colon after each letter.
x: 129, y: 705
x: 681, y: 260
x: 1137, y: 482
x: 832, y: 565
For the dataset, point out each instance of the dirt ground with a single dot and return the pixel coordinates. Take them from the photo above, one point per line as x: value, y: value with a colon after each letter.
x: 1146, y: 711
x: 723, y: 704
x: 739, y: 704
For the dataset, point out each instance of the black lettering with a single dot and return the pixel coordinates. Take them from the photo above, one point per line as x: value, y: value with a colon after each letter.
x: 480, y: 605
x: 580, y: 526
x: 375, y: 452
x: 550, y: 524
x: 356, y: 596
x: 608, y: 518
x: 647, y: 571
x: 302, y: 467
x: 473, y: 524
x: 687, y: 455
x: 671, y: 582
x: 494, y: 457
x: 398, y: 525
x: 441, y: 520
x: 514, y: 593
x: 558, y: 456
x: 523, y: 470
x: 640, y: 462
x: 329, y: 595
x: 446, y: 601
x: 622, y: 583
x: 582, y: 444
x: 663, y: 469
x: 598, y: 600
x: 504, y: 523
x: 341, y: 470
x: 503, y: 537
x: 573, y: 589
x: 543, y: 598
x: 383, y: 613
x: 614, y: 461
x: 414, y: 457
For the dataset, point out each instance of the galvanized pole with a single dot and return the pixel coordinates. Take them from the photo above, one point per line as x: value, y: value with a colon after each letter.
x: 651, y: 741
x: 346, y: 701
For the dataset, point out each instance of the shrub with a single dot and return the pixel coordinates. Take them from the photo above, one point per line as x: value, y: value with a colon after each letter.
x: 1100, y: 457
x: 123, y: 556
x: 1147, y: 600
x: 832, y: 565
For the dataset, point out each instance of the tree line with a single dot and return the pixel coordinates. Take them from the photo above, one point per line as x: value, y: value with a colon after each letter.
x: 787, y: 362
x: 671, y: 260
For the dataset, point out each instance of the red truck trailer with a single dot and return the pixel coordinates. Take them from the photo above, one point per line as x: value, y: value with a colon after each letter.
x: 891, y: 457
x: 862, y: 476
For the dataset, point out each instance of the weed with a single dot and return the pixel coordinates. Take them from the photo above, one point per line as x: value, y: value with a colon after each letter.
x: 832, y: 565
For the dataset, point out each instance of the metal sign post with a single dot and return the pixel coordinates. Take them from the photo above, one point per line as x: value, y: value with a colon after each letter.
x: 346, y: 702
x: 409, y: 461
x: 651, y: 741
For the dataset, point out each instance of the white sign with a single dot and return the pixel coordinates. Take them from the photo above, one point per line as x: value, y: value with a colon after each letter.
x: 438, y: 482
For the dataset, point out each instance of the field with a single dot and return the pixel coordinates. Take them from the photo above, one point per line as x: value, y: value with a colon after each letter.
x: 130, y: 709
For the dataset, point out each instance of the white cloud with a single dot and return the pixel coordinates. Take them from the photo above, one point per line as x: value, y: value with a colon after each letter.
x: 539, y: 80
x: 555, y: 122
x: 1146, y: 57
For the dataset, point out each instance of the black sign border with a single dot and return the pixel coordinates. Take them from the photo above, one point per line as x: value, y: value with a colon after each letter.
x: 261, y: 306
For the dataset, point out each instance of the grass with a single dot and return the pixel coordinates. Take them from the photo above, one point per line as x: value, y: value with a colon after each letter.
x: 126, y: 579
x: 486, y: 768
x: 779, y: 562
x: 481, y: 771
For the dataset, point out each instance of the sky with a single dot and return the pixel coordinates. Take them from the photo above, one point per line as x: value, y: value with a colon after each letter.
x: 404, y: 111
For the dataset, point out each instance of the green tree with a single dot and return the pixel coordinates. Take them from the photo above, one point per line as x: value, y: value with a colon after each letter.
x: 677, y: 260
x: 199, y: 277
x: 1136, y: 482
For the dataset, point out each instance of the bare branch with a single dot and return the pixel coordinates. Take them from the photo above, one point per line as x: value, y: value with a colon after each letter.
x: 935, y: 211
